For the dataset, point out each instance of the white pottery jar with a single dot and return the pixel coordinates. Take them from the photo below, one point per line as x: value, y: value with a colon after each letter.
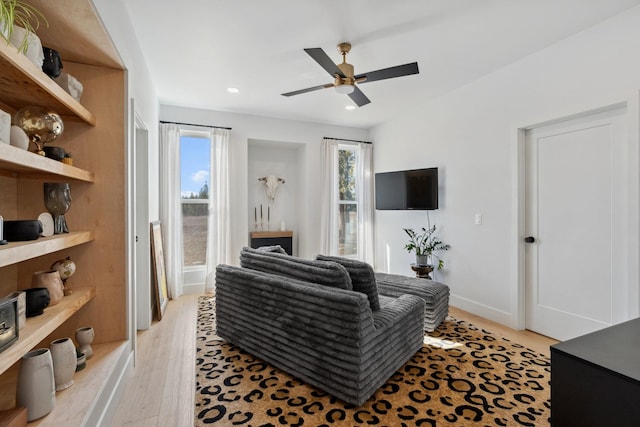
x: 63, y: 353
x: 18, y: 138
x: 36, y: 389
x: 84, y: 338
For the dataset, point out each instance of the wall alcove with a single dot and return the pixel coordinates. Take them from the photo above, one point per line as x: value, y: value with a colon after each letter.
x: 284, y: 160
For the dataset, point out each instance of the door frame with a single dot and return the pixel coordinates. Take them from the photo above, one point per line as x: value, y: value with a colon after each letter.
x: 518, y: 261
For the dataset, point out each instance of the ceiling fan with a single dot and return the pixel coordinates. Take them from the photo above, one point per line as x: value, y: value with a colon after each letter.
x: 345, y: 81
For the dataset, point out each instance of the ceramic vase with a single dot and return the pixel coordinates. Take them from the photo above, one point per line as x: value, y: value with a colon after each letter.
x: 84, y: 338
x: 57, y: 200
x: 18, y: 138
x: 63, y: 353
x: 51, y: 280
x: 423, y: 260
x: 36, y: 389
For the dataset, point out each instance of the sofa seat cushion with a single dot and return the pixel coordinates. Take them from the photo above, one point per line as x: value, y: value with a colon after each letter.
x: 363, y: 278
x: 325, y: 273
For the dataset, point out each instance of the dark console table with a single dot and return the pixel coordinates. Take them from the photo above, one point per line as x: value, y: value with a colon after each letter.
x: 270, y: 238
x: 595, y: 379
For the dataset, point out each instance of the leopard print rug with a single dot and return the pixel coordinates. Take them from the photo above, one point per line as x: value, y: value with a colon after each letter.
x: 462, y: 376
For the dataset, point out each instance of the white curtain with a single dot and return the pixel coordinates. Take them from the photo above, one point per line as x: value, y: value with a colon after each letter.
x: 171, y: 207
x: 365, y: 173
x: 329, y: 197
x: 218, y: 237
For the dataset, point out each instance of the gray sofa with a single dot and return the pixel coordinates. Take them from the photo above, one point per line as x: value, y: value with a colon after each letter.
x: 320, y: 321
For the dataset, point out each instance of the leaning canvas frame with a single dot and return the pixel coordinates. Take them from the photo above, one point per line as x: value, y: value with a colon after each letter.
x: 159, y: 275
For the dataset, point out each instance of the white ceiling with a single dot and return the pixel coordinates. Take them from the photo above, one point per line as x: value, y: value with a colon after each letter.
x: 195, y: 49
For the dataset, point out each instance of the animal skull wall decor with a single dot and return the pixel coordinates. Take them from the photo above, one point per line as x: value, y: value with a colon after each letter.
x: 271, y: 184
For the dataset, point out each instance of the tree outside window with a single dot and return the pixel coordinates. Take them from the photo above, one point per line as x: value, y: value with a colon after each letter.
x: 347, y: 201
x: 195, y: 170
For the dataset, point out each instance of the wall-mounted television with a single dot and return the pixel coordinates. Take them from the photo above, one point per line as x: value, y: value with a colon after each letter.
x: 408, y: 189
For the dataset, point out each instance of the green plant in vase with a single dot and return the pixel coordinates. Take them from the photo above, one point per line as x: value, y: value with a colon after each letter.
x: 18, y: 13
x: 425, y: 244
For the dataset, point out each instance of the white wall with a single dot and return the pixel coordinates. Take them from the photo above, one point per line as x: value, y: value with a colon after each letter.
x: 256, y: 129
x: 471, y: 135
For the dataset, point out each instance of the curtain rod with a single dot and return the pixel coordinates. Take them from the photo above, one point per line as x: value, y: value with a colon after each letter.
x: 350, y: 140
x: 193, y: 124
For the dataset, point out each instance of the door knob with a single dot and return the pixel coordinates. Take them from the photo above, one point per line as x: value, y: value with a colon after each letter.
x: 529, y: 239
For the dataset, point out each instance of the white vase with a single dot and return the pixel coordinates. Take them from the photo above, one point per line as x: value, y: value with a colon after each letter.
x: 18, y: 138
x: 63, y: 353
x: 36, y: 389
x: 84, y: 338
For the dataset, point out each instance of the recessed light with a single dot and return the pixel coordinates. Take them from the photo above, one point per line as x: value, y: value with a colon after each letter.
x: 233, y: 90
x: 350, y: 107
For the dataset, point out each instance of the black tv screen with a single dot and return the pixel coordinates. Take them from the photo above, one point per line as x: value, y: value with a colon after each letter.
x: 409, y: 189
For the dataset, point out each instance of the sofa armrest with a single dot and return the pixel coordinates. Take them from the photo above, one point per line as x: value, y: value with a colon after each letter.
x: 394, y: 308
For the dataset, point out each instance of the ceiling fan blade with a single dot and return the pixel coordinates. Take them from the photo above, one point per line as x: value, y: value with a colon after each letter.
x: 358, y: 97
x: 325, y: 62
x: 389, y: 73
x: 309, y: 89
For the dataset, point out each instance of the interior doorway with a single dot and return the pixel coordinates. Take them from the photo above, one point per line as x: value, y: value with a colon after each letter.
x: 576, y: 224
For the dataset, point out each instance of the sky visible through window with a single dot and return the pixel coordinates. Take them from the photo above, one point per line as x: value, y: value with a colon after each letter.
x: 194, y: 164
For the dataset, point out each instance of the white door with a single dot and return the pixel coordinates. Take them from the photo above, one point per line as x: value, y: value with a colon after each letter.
x: 576, y: 192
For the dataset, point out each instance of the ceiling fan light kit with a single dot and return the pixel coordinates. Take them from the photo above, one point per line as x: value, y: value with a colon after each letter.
x: 345, y: 81
x: 344, y: 89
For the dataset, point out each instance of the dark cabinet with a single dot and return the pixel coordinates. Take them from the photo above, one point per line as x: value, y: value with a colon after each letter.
x: 595, y: 379
x: 271, y: 238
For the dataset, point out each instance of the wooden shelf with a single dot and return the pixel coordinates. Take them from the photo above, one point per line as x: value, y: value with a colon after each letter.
x: 39, y: 327
x: 21, y: 251
x: 25, y: 164
x: 22, y: 83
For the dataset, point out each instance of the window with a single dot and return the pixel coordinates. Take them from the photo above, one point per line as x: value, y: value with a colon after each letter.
x: 194, y: 187
x: 348, y: 201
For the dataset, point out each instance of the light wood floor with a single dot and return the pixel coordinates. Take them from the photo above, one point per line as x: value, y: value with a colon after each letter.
x: 160, y: 390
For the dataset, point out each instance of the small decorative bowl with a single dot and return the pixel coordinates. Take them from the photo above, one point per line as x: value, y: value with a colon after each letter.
x: 55, y: 153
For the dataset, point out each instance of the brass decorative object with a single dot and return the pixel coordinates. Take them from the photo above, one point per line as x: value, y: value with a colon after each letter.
x: 40, y: 125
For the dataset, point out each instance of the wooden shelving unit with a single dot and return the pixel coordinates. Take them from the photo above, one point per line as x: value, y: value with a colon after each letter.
x: 38, y: 328
x: 95, y: 132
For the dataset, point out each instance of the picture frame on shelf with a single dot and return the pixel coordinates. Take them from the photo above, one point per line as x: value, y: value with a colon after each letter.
x: 159, y: 274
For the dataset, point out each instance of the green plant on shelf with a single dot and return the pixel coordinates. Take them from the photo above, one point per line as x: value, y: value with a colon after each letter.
x: 18, y: 13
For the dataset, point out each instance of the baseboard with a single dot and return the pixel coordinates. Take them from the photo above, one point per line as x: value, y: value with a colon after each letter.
x: 490, y: 313
x: 103, y: 410
x: 193, y: 289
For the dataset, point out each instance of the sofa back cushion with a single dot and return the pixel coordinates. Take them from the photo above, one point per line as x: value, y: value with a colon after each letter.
x: 363, y: 278
x: 321, y: 272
